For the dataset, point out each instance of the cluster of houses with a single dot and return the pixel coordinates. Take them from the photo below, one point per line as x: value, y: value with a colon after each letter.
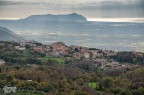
x: 4, y: 44
x: 59, y: 49
x: 114, y: 65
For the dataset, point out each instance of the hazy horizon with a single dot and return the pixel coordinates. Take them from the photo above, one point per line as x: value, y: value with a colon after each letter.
x: 100, y: 19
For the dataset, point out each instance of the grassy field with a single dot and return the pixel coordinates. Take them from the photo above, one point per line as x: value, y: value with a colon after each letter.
x: 93, y: 85
x: 56, y: 60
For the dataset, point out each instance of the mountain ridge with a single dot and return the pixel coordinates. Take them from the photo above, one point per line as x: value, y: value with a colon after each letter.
x: 59, y: 17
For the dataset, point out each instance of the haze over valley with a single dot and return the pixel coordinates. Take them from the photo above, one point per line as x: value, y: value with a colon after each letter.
x: 75, y: 29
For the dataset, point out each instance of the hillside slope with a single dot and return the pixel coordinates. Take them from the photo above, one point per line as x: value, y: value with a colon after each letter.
x: 7, y: 35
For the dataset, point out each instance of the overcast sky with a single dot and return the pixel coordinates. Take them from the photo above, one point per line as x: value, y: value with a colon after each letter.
x: 88, y: 8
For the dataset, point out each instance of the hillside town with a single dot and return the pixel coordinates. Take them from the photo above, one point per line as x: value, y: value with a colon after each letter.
x: 101, y: 58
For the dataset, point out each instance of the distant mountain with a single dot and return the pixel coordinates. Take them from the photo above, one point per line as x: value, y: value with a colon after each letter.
x: 50, y: 17
x: 7, y: 35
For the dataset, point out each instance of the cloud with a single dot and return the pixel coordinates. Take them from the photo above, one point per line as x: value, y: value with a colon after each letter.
x: 80, y: 4
x: 96, y: 3
x: 3, y: 3
x: 74, y: 2
x: 104, y: 8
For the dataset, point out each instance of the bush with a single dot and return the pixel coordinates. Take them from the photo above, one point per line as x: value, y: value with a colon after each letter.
x: 115, y: 90
x: 79, y: 93
x: 125, y: 92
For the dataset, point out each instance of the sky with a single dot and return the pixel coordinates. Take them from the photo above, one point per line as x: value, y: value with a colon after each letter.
x: 88, y: 8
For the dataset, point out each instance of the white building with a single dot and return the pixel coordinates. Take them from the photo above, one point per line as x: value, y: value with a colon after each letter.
x: 2, y: 62
x: 20, y: 48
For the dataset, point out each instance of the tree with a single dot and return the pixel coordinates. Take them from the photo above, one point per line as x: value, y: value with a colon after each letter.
x: 108, y: 82
x: 9, y: 78
x: 0, y: 70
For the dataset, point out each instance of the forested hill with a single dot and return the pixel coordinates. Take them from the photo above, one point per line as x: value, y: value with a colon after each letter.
x: 58, y: 69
